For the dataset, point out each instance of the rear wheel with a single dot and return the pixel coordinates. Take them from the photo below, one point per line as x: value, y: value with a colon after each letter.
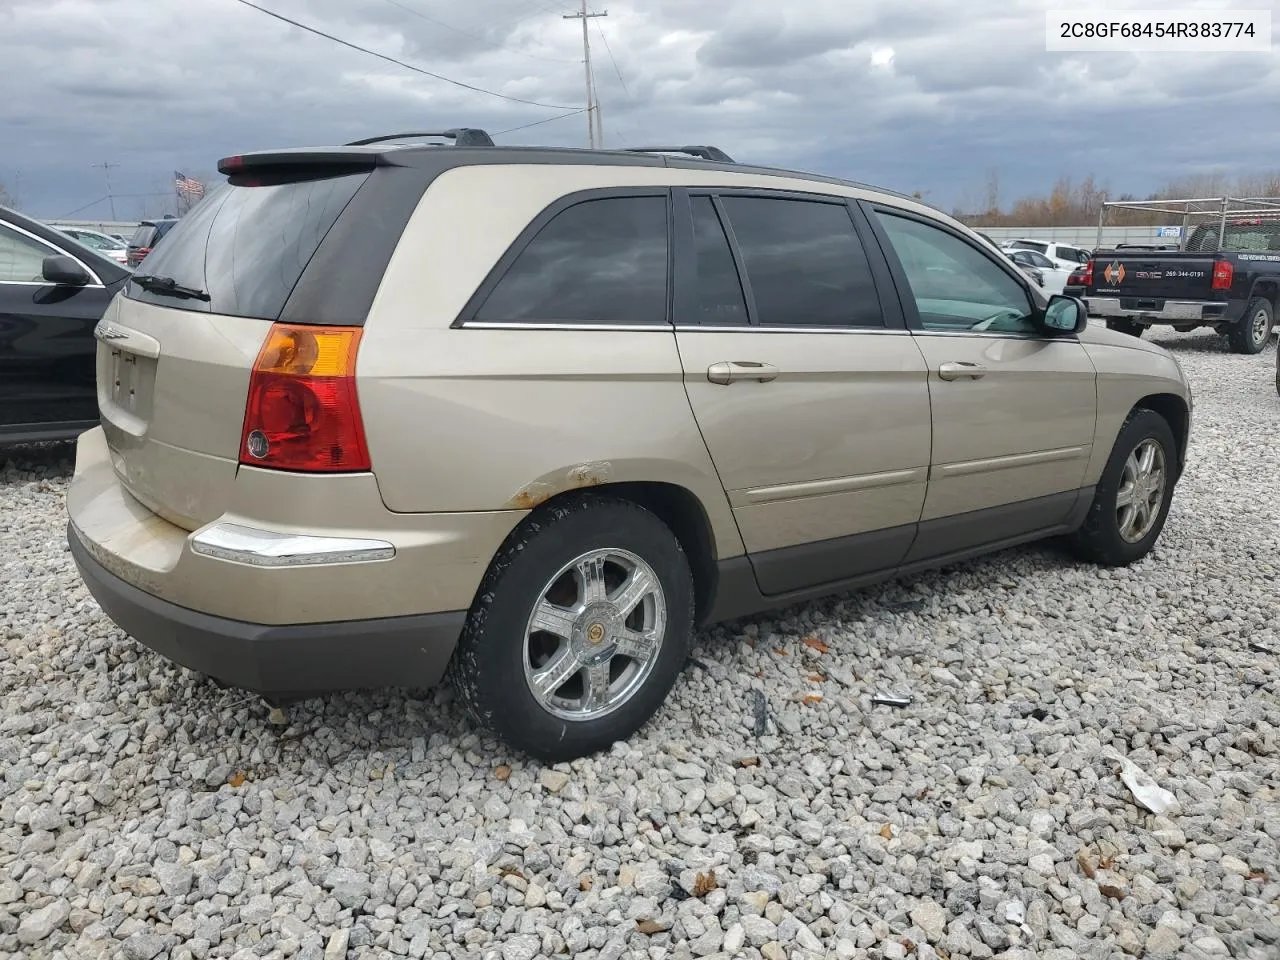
x: 1131, y: 327
x: 1131, y: 500
x: 1252, y: 331
x: 580, y: 629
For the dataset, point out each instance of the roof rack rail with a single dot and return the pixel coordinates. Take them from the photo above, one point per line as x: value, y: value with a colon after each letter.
x: 461, y: 137
x: 703, y: 152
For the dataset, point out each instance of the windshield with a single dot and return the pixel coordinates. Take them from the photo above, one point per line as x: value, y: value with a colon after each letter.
x: 142, y: 236
x: 246, y: 246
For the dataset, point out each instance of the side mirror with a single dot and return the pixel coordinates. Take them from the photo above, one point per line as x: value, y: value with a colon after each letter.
x: 1064, y: 315
x: 64, y: 271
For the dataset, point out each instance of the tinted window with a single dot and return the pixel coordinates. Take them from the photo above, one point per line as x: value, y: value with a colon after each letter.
x: 599, y: 261
x: 955, y: 286
x: 21, y: 258
x: 246, y: 246
x: 720, y: 298
x: 805, y: 263
x: 1038, y: 259
x: 142, y: 236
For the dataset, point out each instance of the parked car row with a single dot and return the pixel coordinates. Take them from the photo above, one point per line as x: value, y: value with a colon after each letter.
x: 718, y: 389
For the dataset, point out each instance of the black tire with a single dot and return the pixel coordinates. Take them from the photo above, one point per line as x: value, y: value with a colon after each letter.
x: 1131, y: 327
x: 1251, y: 332
x: 1098, y: 540
x: 488, y: 667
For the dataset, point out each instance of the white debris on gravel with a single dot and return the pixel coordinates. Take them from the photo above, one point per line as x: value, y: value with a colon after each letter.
x: 145, y: 813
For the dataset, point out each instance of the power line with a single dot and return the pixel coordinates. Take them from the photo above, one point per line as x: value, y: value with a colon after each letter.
x: 616, y: 68
x: 526, y: 126
x: 474, y: 36
x: 401, y: 63
x: 85, y: 207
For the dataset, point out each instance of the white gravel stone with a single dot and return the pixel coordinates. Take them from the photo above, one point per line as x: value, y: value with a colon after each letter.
x: 372, y: 824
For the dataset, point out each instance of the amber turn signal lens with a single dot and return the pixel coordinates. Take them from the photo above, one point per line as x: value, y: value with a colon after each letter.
x: 310, y: 352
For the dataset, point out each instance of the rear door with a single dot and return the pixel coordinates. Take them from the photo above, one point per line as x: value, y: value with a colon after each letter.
x: 1014, y: 412
x: 46, y: 340
x: 811, y: 396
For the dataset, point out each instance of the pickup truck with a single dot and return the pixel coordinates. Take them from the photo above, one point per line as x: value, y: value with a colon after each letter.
x: 1232, y: 286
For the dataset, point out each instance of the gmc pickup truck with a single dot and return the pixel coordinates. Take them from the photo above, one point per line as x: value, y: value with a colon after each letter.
x: 1232, y: 286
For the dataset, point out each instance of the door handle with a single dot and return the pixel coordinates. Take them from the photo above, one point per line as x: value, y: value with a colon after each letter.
x: 956, y: 369
x: 727, y: 371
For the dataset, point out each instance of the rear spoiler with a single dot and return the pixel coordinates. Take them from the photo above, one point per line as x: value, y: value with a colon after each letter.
x: 351, y: 159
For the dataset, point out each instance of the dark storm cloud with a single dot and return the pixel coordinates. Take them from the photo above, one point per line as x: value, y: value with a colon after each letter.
x: 918, y: 95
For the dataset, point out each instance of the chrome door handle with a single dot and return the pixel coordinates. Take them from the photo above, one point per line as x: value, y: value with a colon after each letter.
x: 961, y: 368
x: 727, y: 371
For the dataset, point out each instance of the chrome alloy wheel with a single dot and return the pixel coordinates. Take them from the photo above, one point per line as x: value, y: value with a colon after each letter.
x: 594, y: 635
x: 1142, y: 486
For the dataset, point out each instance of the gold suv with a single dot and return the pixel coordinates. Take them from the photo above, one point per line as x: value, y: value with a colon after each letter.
x: 375, y: 413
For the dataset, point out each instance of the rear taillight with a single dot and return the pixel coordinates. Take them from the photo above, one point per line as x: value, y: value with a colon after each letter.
x: 1223, y: 275
x: 1088, y: 274
x: 303, y: 413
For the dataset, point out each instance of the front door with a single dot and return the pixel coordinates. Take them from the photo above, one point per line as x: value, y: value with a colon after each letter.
x: 812, y: 399
x: 47, y: 349
x: 1014, y: 411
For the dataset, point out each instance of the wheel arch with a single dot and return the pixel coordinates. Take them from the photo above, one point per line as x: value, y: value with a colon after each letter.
x: 1269, y: 289
x: 1176, y: 413
x: 676, y: 506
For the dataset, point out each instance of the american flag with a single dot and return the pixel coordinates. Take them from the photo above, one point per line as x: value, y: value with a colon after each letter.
x: 187, y: 185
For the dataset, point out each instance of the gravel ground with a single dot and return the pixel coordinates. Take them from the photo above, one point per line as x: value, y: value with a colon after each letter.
x: 145, y: 813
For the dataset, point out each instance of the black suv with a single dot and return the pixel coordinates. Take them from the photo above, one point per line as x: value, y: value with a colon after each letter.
x: 53, y: 291
x: 146, y: 237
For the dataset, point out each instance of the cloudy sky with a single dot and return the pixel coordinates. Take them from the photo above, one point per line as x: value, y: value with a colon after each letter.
x: 923, y: 95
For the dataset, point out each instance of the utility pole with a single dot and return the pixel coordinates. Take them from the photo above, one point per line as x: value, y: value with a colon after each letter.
x: 595, y: 130
x: 106, y: 172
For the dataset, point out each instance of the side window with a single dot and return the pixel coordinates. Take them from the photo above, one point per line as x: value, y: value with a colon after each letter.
x: 1040, y: 260
x: 720, y: 299
x: 21, y: 258
x: 805, y: 263
x: 955, y: 286
x: 599, y: 261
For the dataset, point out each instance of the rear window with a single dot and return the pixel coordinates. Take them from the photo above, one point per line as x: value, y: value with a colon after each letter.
x: 246, y: 246
x: 1240, y: 238
x: 142, y: 236
x: 1030, y: 245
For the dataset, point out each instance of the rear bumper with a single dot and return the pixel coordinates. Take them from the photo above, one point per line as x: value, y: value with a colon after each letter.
x: 1159, y: 311
x: 281, y: 661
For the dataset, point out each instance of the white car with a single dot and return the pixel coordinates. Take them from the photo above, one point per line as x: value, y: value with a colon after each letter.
x: 1055, y: 276
x: 1063, y: 254
x: 116, y: 250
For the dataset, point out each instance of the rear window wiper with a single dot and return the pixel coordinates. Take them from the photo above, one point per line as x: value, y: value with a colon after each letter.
x: 169, y: 286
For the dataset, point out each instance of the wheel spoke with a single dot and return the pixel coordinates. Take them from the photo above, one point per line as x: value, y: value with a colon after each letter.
x: 552, y: 619
x: 1148, y: 461
x: 1128, y: 518
x: 1125, y: 495
x: 595, y: 693
x: 638, y: 586
x: 591, y: 580
x: 553, y: 675
x: 636, y: 644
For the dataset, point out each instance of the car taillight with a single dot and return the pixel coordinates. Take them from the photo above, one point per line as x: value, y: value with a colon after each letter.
x: 1223, y: 275
x: 1088, y: 274
x: 303, y: 413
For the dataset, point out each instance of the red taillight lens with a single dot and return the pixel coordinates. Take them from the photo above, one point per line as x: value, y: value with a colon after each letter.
x: 1088, y: 274
x: 1223, y: 275
x: 302, y: 412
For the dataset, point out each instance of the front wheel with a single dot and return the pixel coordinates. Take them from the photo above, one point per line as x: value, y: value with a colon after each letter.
x: 1252, y: 331
x: 1132, y: 498
x: 581, y: 626
x: 1131, y: 327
